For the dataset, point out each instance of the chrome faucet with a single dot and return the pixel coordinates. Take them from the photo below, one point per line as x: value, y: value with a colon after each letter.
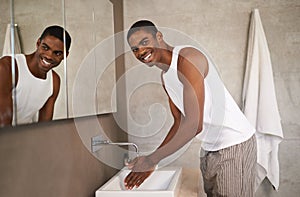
x: 99, y: 141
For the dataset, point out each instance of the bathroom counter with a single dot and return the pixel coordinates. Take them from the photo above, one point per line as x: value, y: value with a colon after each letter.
x: 190, y: 183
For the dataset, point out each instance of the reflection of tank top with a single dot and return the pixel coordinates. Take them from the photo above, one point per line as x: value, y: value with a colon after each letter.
x: 31, y: 92
x: 224, y: 124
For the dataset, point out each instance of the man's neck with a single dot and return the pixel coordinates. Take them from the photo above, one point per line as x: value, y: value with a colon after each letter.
x: 166, y: 52
x: 32, y: 63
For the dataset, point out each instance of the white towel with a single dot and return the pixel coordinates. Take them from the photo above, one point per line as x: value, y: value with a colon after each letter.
x: 7, y: 41
x: 260, y: 104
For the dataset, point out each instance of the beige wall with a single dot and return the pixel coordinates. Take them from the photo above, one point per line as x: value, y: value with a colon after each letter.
x: 221, y: 27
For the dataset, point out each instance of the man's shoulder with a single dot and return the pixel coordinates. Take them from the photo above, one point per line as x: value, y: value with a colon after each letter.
x: 191, y: 58
x: 55, y: 75
x: 191, y: 52
x: 55, y: 78
x: 5, y: 64
x: 5, y: 60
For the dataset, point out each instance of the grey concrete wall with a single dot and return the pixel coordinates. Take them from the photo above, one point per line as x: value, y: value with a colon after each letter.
x: 221, y: 27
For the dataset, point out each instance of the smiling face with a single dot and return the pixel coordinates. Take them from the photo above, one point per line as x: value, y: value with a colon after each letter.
x: 145, y: 46
x: 49, y: 53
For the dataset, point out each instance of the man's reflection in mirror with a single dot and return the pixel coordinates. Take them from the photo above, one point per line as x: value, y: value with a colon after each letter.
x: 37, y: 84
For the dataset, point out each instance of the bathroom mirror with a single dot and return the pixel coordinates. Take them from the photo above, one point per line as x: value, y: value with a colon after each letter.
x: 89, y: 24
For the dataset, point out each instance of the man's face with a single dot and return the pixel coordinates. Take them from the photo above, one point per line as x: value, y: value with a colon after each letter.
x: 145, y: 47
x: 50, y: 52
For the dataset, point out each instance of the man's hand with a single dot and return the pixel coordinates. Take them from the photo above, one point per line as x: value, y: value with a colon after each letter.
x: 141, y: 168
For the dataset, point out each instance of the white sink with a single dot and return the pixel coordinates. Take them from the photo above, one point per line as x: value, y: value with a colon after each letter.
x: 163, y: 182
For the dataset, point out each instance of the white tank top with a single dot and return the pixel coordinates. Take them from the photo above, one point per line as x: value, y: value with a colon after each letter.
x: 31, y: 92
x: 224, y: 124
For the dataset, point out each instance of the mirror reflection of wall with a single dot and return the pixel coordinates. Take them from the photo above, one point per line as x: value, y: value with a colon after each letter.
x: 92, y: 26
x: 5, y: 19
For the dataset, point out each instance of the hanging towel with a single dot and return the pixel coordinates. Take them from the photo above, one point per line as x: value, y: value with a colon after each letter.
x: 7, y: 41
x: 260, y: 104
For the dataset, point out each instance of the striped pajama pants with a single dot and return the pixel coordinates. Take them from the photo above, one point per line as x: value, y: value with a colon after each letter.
x: 231, y: 171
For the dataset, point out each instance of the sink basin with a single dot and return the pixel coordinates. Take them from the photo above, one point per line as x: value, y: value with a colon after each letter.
x: 163, y: 182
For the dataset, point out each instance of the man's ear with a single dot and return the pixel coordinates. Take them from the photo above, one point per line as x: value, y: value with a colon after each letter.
x: 159, y: 36
x: 38, y: 42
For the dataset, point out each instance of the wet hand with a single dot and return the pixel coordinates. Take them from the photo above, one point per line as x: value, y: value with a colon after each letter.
x: 141, y: 168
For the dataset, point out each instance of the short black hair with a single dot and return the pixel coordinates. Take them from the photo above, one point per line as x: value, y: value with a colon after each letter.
x: 58, y: 32
x: 142, y: 24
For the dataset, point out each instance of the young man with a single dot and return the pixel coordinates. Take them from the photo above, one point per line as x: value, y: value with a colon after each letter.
x: 37, y: 85
x: 199, y: 102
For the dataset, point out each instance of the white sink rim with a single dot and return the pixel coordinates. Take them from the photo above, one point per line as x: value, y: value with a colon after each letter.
x: 172, y: 188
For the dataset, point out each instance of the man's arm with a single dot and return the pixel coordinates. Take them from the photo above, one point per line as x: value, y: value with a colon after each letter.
x: 177, y: 118
x: 46, y: 112
x: 6, y: 112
